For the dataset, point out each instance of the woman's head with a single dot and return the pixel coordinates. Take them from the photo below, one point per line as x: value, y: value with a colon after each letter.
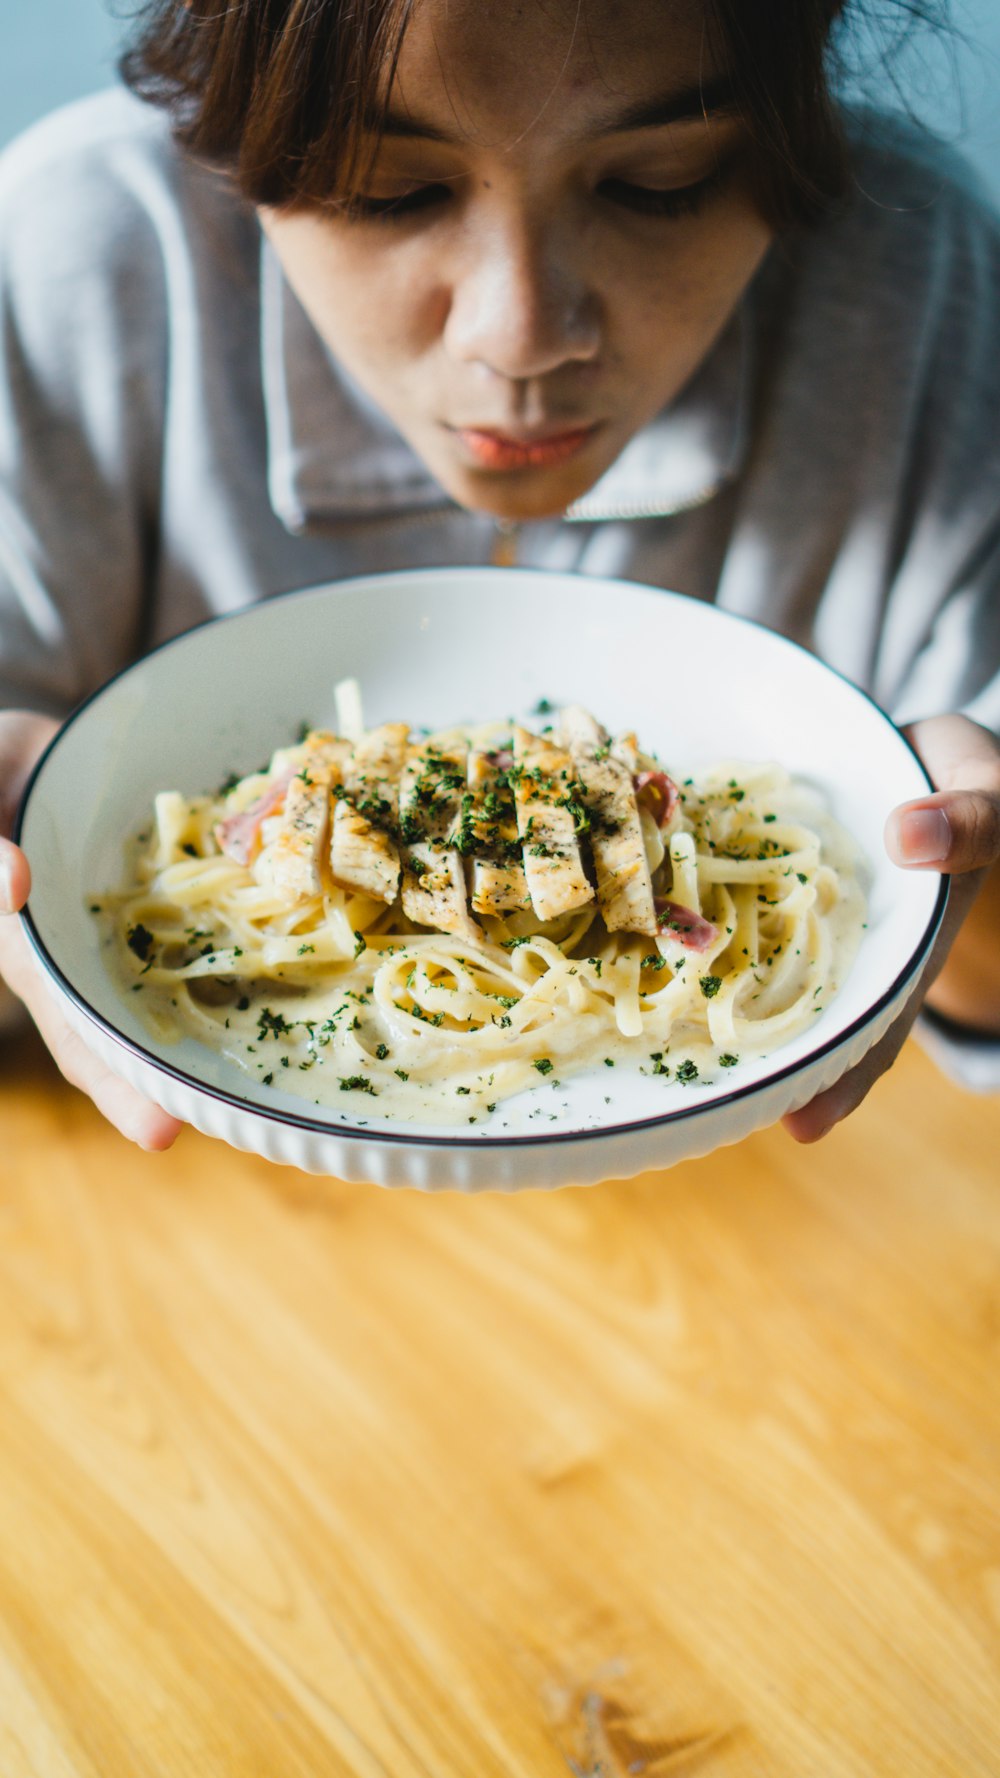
x: 522, y: 224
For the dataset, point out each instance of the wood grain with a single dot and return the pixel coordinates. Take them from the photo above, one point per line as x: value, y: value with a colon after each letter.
x: 695, y: 1474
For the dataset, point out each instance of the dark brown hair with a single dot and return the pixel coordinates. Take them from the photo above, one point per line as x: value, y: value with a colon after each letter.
x: 277, y: 91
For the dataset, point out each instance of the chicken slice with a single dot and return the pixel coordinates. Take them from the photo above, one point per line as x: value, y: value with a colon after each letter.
x: 372, y: 774
x: 545, y: 791
x: 487, y: 831
x: 362, y: 856
x: 624, y: 884
x: 300, y: 842
x: 363, y: 852
x: 431, y: 786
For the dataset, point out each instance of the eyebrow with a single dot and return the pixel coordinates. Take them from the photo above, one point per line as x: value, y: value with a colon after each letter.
x: 709, y: 98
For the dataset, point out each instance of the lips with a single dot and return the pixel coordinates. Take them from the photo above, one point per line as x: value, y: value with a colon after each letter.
x: 490, y: 448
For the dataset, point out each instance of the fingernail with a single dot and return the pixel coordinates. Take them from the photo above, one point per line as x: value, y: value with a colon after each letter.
x: 925, y: 836
x: 6, y: 888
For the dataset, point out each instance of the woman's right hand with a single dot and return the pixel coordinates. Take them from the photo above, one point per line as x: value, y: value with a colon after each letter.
x: 23, y: 737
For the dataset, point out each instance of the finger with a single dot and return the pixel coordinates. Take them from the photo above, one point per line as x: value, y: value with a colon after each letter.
x: 953, y: 831
x: 137, y: 1118
x: 817, y: 1118
x: 15, y: 878
x: 23, y: 736
x: 134, y: 1116
x: 959, y: 754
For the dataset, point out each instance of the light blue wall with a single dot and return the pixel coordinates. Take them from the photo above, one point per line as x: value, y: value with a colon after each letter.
x: 54, y: 50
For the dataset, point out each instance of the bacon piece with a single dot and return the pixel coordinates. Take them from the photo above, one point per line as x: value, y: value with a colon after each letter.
x: 658, y: 793
x: 238, y: 836
x: 693, y: 930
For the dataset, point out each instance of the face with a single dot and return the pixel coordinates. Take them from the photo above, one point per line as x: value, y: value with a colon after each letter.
x: 556, y: 226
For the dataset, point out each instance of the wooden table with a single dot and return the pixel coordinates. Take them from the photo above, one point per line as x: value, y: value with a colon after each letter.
x: 694, y: 1474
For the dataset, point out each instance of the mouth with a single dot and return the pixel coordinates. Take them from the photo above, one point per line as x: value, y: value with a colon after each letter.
x: 535, y: 448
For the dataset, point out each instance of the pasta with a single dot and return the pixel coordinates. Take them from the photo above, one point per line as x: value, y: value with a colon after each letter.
x: 422, y: 926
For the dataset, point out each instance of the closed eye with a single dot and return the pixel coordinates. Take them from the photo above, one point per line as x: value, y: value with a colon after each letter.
x: 643, y: 200
x: 408, y: 203
x: 647, y: 200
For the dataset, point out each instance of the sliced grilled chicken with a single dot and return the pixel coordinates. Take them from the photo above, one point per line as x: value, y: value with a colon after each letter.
x: 431, y: 787
x: 434, y: 891
x: 362, y: 856
x: 372, y: 774
x: 363, y: 853
x: 626, y: 748
x: 624, y: 884
x: 487, y: 832
x: 545, y: 791
x: 297, y: 855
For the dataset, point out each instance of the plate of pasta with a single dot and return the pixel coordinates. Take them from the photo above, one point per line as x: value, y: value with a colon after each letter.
x: 477, y: 878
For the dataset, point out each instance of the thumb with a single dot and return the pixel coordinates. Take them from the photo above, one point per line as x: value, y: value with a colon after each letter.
x: 957, y: 828
x: 954, y: 831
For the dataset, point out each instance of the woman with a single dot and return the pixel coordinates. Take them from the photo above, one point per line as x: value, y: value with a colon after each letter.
x: 604, y: 287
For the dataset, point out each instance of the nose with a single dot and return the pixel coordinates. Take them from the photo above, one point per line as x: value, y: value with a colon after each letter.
x: 520, y: 305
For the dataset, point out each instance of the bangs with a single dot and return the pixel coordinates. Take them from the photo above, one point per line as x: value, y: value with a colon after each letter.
x: 288, y: 96
x: 281, y: 94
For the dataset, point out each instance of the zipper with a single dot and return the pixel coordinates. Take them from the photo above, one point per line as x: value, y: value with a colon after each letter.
x: 580, y: 513
x: 503, y: 553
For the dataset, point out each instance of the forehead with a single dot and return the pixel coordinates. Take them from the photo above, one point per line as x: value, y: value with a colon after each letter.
x: 497, y: 70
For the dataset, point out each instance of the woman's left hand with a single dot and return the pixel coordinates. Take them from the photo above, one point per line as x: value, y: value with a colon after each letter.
x: 957, y: 831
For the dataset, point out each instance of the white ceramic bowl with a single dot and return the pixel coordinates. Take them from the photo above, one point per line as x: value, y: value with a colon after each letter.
x: 436, y: 647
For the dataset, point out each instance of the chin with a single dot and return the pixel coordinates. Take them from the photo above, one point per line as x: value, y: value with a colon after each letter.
x: 522, y: 496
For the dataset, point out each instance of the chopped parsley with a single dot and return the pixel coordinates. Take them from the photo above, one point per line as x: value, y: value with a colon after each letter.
x: 686, y: 1072
x: 728, y: 1061
x: 544, y: 1066
x: 271, y: 1024
x: 140, y: 940
x: 356, y: 1083
x: 710, y: 985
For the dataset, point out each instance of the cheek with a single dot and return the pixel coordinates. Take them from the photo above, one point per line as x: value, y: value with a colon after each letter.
x: 690, y: 284
x: 388, y: 304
